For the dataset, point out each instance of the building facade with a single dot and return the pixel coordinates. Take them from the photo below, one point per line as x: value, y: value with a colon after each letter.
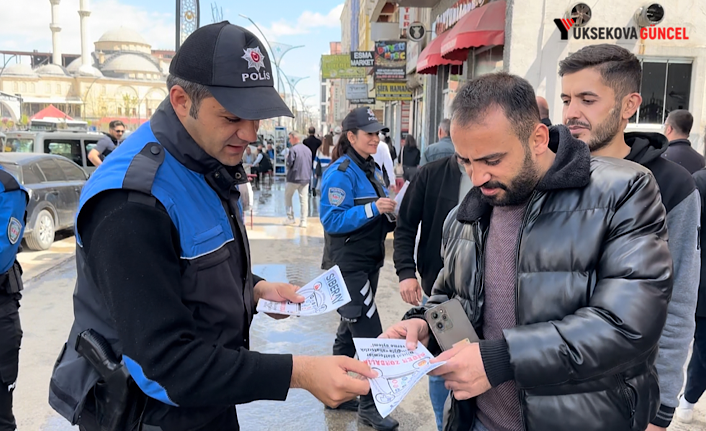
x: 468, y: 38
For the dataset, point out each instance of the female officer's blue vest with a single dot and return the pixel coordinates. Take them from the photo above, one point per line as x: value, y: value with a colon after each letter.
x: 142, y: 164
x: 356, y: 230
x: 12, y: 208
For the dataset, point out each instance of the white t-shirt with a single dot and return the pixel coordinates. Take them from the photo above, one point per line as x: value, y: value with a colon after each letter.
x: 383, y: 159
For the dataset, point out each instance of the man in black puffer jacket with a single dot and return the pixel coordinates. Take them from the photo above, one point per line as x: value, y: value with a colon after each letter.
x: 562, y: 265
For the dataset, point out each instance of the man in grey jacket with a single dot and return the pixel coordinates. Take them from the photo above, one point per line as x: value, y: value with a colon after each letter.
x: 600, y: 91
x: 299, y: 168
x: 442, y: 149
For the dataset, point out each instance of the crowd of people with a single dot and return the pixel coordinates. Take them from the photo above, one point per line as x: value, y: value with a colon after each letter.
x: 573, y: 249
x: 554, y: 239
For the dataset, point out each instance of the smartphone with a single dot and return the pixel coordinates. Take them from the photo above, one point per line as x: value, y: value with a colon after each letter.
x: 450, y: 325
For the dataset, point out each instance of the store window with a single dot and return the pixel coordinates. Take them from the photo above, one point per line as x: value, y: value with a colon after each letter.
x: 665, y: 87
x: 452, y: 82
x: 487, y: 60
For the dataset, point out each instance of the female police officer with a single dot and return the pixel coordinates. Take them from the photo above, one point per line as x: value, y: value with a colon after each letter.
x: 356, y: 214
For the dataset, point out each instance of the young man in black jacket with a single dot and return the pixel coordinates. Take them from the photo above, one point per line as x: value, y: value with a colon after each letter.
x: 600, y: 91
x: 436, y: 189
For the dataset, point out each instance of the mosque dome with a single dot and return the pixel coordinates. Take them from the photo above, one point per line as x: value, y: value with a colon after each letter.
x: 51, y: 69
x: 19, y: 69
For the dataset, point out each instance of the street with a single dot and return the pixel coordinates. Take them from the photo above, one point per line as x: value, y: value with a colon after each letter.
x: 279, y: 254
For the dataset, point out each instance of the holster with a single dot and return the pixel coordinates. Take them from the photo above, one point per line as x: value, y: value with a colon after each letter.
x: 114, y: 403
x: 11, y: 281
x: 101, y: 412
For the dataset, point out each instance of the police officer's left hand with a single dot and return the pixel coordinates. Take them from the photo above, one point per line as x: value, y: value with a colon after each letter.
x: 277, y: 292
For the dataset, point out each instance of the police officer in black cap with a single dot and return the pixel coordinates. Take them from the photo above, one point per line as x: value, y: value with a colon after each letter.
x: 13, y: 203
x: 177, y: 300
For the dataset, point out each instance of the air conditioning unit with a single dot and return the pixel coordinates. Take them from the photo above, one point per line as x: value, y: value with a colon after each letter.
x: 580, y: 12
x: 651, y: 14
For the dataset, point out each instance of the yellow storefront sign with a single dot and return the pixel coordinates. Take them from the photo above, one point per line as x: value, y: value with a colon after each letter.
x: 339, y: 67
x: 386, y: 91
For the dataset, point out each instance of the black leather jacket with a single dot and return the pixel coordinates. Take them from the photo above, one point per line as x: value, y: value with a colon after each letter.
x: 594, y: 280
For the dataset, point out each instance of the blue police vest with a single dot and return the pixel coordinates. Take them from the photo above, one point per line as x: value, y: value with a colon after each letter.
x: 13, y: 204
x: 192, y: 204
x: 349, y: 216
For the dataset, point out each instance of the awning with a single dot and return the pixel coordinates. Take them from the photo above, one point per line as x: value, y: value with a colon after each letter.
x: 50, y: 111
x: 430, y: 58
x: 125, y: 120
x: 484, y: 26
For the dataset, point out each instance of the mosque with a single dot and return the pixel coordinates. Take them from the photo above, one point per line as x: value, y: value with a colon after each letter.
x: 119, y: 77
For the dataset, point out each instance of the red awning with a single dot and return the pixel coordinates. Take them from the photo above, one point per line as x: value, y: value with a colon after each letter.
x: 50, y: 111
x: 484, y: 26
x: 430, y: 57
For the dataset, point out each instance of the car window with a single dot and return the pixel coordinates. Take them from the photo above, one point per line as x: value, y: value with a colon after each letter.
x: 71, y: 171
x: 11, y: 168
x: 69, y: 148
x: 19, y: 145
x: 31, y: 174
x: 90, y: 144
x: 51, y: 170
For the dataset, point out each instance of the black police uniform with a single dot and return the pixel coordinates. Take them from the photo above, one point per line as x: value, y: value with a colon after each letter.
x: 13, y: 202
x: 177, y: 300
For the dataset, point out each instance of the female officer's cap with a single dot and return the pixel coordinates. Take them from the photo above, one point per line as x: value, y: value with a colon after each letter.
x: 363, y: 119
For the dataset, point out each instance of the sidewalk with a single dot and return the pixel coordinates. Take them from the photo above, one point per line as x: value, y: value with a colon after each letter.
x: 37, y: 263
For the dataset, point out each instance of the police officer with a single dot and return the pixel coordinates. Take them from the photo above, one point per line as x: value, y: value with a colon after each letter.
x: 357, y: 215
x: 13, y: 202
x: 177, y: 300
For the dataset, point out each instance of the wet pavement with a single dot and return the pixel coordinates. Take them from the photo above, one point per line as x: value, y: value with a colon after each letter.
x: 280, y: 253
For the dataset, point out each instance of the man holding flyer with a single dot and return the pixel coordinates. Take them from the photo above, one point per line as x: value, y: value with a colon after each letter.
x: 561, y: 264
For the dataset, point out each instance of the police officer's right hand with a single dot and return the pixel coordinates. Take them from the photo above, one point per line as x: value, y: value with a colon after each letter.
x: 327, y: 378
x: 385, y: 205
x: 412, y: 330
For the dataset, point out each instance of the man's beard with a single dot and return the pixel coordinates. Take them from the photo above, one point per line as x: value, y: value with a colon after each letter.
x: 519, y: 189
x: 604, y: 132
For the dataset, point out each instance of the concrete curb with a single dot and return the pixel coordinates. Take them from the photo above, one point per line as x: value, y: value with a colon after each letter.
x: 56, y: 264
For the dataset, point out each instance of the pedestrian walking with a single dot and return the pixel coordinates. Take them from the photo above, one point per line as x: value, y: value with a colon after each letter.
x: 298, y: 178
x: 323, y: 158
x: 677, y: 128
x: 442, y: 149
x: 409, y: 158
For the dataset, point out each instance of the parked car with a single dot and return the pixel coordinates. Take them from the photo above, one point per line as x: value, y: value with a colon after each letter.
x: 74, y: 145
x: 54, y: 184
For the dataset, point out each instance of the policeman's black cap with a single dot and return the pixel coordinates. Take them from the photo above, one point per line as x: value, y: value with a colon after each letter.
x: 363, y: 119
x: 235, y: 67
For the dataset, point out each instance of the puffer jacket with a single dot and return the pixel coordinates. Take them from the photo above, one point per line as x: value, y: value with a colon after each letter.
x: 594, y: 278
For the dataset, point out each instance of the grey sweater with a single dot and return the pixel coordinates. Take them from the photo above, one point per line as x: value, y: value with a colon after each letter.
x: 682, y: 224
x: 299, y: 164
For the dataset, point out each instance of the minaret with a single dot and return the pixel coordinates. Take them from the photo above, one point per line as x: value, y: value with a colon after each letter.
x: 55, y: 30
x: 86, y: 63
